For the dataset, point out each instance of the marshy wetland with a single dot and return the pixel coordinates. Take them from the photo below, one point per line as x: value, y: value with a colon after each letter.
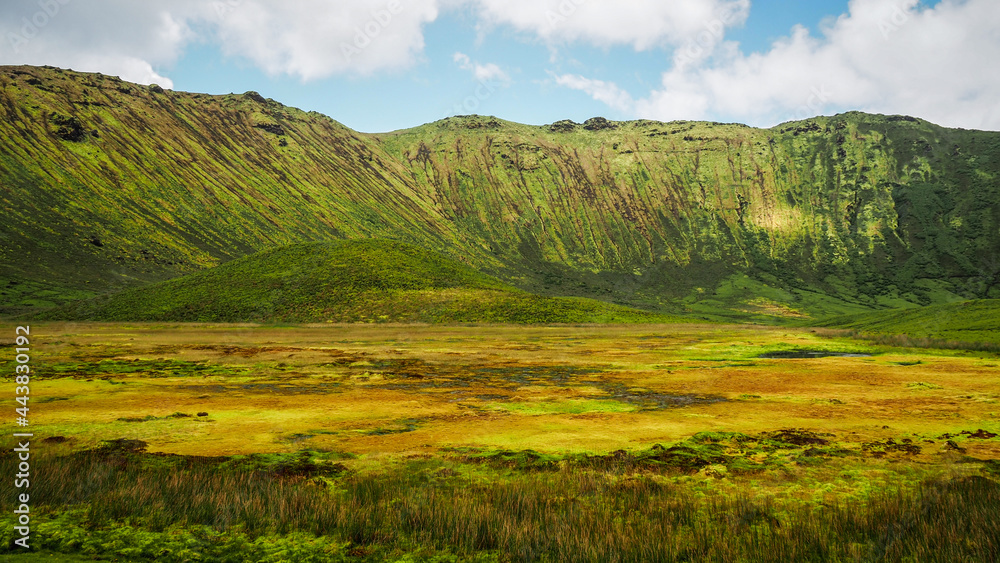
x: 678, y: 442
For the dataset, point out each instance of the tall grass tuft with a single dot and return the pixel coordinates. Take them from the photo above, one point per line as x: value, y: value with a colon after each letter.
x: 565, y: 515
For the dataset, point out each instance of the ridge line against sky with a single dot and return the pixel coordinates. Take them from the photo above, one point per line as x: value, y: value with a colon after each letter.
x: 379, y: 65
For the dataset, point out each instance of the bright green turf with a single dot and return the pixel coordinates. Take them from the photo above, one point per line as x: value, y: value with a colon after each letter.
x: 976, y: 321
x: 343, y: 281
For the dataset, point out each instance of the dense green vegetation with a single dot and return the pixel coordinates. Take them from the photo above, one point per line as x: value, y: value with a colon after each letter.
x: 344, y: 281
x: 116, y: 501
x: 109, y: 185
x: 969, y: 322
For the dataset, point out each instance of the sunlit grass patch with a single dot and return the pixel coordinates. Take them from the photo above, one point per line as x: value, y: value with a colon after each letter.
x: 570, y: 406
x: 922, y: 385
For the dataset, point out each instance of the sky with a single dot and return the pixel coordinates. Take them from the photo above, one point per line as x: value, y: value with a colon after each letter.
x: 382, y: 65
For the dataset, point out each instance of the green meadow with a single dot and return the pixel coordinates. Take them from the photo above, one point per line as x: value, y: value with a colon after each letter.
x: 485, y: 442
x: 964, y: 324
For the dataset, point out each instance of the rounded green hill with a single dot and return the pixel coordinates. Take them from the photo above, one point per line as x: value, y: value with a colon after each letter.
x: 342, y: 281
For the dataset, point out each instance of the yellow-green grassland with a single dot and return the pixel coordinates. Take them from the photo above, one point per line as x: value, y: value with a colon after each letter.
x: 354, y: 442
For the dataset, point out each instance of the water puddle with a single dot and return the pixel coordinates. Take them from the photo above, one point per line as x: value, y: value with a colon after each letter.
x: 499, y: 384
x: 652, y: 400
x: 282, y: 389
x: 805, y: 354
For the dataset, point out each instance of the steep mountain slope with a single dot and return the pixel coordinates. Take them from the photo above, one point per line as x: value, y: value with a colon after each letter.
x: 347, y: 281
x: 872, y: 209
x: 106, y: 184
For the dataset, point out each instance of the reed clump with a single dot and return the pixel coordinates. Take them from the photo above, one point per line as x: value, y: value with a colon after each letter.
x: 148, y: 507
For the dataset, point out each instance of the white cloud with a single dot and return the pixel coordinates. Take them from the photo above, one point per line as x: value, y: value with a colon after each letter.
x: 128, y: 68
x: 643, y: 24
x: 886, y: 56
x: 488, y: 72
x: 606, y: 92
x: 308, y: 38
x: 317, y: 38
x: 121, y: 38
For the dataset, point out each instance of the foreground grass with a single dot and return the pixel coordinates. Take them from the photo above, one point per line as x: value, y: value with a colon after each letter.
x: 141, y: 507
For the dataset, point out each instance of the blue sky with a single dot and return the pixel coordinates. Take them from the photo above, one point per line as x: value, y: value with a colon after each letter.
x: 759, y: 62
x: 436, y: 87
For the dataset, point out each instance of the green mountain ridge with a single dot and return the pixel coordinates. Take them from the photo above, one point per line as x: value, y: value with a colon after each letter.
x: 851, y: 206
x: 108, y: 185
x: 341, y: 281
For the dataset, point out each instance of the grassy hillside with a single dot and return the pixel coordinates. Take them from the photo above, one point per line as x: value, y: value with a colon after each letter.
x: 872, y: 210
x: 108, y: 185
x: 347, y: 281
x: 976, y: 321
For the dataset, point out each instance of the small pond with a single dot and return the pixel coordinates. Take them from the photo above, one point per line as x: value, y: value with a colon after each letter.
x: 797, y: 354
